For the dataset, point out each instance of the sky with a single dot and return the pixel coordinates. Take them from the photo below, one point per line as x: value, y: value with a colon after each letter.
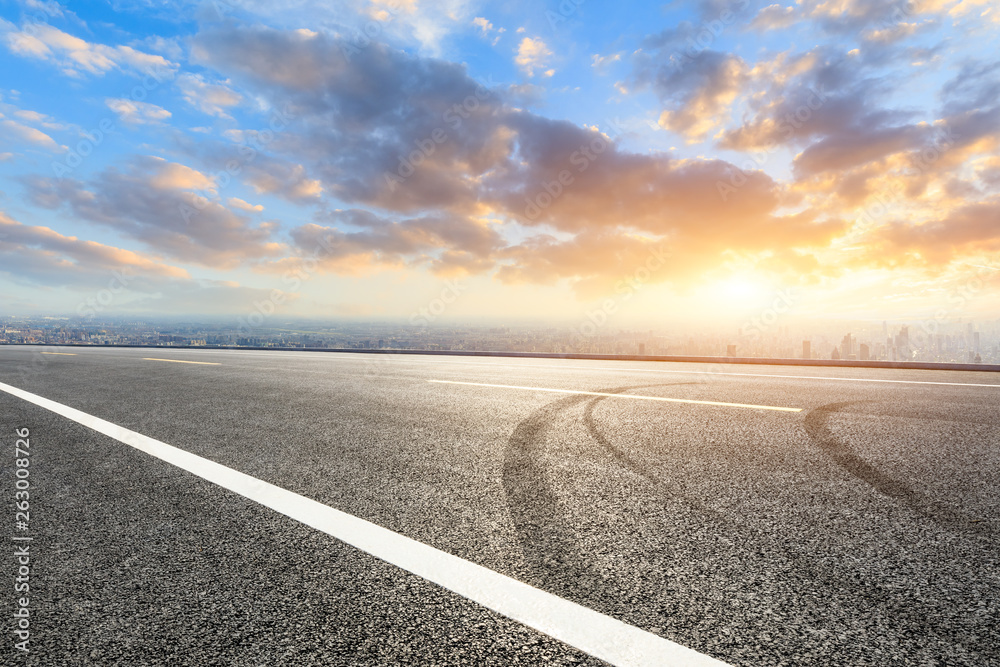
x: 516, y: 161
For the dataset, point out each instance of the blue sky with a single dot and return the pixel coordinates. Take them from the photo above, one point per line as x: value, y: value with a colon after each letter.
x: 231, y: 157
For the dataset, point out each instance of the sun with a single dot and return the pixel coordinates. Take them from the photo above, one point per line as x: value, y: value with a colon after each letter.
x: 740, y: 288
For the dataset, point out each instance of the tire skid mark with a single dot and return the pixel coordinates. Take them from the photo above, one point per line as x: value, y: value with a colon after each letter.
x: 867, y: 592
x: 817, y: 426
x: 552, y: 551
x: 678, y: 494
x: 548, y: 545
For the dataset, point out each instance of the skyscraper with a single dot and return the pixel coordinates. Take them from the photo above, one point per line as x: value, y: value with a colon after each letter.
x: 847, y: 347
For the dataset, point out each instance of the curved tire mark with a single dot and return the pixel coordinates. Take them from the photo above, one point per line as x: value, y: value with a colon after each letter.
x: 628, y: 462
x: 548, y: 545
x: 817, y: 426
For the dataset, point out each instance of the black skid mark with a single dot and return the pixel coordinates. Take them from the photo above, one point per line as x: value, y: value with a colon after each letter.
x: 817, y: 426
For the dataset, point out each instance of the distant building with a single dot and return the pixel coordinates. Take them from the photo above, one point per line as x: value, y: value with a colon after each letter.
x: 835, y: 354
x: 847, y: 347
x: 730, y: 350
x: 806, y: 350
x: 863, y: 352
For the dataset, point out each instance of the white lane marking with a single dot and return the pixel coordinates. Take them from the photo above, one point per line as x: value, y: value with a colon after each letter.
x: 181, y: 361
x: 594, y: 633
x: 502, y: 362
x: 634, y: 396
x: 65, y: 354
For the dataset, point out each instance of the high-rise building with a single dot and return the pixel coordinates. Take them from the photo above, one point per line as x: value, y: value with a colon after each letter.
x: 847, y: 347
x: 863, y: 352
x: 806, y: 350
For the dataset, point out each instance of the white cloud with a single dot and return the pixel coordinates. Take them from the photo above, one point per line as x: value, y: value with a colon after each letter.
x: 76, y: 56
x: 482, y: 24
x: 236, y: 202
x: 533, y: 54
x: 137, y: 113
x: 32, y: 135
x: 598, y: 61
x: 210, y: 98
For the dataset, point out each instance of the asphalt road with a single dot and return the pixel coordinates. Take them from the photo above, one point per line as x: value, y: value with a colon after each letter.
x: 860, y: 530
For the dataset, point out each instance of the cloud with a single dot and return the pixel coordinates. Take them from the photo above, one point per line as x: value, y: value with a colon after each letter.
x: 968, y: 231
x: 485, y: 26
x: 700, y: 95
x: 236, y: 202
x: 156, y: 202
x: 283, y: 179
x: 846, y: 150
x: 895, y: 33
x: 75, y: 56
x: 137, y: 113
x: 696, y: 85
x: 211, y: 98
x: 600, y: 62
x: 40, y: 255
x: 364, y: 127
x: 359, y: 121
x: 361, y: 241
x: 532, y: 55
x: 774, y: 17
x: 822, y: 94
x: 19, y: 131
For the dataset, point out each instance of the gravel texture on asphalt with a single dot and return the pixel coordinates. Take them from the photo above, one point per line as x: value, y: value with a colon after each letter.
x: 860, y: 531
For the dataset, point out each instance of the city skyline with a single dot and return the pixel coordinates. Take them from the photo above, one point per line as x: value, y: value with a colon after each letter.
x: 962, y: 342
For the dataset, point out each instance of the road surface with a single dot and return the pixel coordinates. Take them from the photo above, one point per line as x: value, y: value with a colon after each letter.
x: 754, y: 515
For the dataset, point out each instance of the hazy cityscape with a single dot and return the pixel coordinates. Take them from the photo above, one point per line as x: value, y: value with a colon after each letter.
x: 926, y: 341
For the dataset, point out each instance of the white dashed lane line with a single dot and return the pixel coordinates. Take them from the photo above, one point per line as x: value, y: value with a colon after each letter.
x: 626, y: 396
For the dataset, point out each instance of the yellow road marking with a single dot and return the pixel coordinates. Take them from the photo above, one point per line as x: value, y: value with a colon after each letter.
x: 178, y: 361
x: 65, y: 354
x: 642, y: 398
